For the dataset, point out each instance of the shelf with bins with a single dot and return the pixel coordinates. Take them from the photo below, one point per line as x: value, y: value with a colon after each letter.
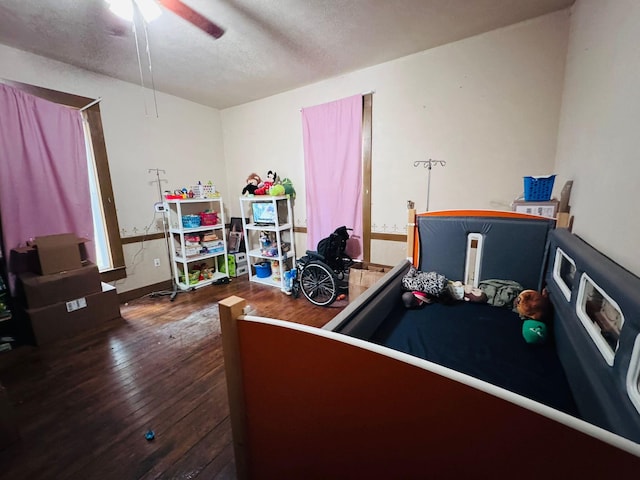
x: 197, y: 231
x: 268, y: 229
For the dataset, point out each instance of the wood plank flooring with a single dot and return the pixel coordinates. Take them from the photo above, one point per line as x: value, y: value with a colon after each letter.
x: 84, y: 404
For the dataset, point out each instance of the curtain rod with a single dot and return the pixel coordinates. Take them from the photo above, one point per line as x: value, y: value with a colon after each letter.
x: 90, y: 104
x: 370, y: 92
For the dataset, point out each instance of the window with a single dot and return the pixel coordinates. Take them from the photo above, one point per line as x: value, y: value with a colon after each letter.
x: 564, y: 272
x: 112, y: 266
x: 601, y: 316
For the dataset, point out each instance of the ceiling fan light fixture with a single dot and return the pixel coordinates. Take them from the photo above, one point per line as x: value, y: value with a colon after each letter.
x: 124, y: 9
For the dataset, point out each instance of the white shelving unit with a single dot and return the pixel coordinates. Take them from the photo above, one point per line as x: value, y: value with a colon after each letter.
x: 274, y: 220
x: 183, y: 261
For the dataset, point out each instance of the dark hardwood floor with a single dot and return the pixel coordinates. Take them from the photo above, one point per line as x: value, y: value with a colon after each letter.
x: 84, y: 404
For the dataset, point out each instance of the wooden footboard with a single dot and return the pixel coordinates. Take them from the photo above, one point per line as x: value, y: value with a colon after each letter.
x: 311, y: 403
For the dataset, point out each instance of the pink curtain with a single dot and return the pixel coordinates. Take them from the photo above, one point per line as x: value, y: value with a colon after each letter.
x: 332, y: 135
x: 44, y: 183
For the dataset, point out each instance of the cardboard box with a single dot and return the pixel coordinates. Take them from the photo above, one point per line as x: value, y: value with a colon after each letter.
x: 543, y: 209
x: 50, y: 254
x: 43, y: 290
x: 362, y: 275
x: 8, y: 425
x: 66, y: 319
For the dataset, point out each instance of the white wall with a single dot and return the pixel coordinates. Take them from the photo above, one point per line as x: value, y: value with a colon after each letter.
x: 185, y: 139
x: 598, y: 142
x: 488, y: 105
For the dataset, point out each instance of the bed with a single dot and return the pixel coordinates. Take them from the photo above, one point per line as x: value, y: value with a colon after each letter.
x: 448, y: 390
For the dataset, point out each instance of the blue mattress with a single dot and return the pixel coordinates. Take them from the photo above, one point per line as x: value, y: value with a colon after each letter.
x: 482, y: 341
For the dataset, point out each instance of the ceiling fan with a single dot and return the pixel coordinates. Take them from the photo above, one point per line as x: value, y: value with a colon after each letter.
x: 150, y: 11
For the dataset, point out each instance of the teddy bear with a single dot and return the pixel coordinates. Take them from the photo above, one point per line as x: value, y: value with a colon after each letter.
x: 267, y: 184
x: 535, y: 309
x: 253, y: 183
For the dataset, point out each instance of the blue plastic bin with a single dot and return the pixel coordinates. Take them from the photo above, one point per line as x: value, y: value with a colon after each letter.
x: 538, y: 189
x: 263, y: 270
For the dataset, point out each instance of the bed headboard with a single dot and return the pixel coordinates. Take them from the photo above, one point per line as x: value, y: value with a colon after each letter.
x: 603, y: 378
x: 512, y: 245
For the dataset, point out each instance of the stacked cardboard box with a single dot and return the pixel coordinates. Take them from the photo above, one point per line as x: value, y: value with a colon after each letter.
x: 61, y: 292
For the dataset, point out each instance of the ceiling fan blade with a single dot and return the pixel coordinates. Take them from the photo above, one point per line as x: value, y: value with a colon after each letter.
x: 193, y: 17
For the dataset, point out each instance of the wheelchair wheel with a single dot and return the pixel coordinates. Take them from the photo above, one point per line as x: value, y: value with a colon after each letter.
x: 318, y: 284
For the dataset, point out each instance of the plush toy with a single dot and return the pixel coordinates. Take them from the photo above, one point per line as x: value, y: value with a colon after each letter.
x: 533, y: 305
x: 277, y: 190
x: 288, y: 188
x: 253, y: 183
x: 534, y: 308
x: 474, y: 294
x: 534, y: 331
x: 267, y: 184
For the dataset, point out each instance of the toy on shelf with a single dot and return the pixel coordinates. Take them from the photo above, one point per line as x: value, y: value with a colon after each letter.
x: 253, y: 183
x: 267, y: 184
x: 288, y: 188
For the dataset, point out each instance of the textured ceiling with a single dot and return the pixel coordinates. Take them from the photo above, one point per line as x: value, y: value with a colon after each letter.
x: 270, y: 46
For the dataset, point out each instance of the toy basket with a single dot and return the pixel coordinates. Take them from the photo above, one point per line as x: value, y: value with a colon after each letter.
x: 538, y: 189
x: 208, y: 218
x: 263, y: 270
x: 190, y: 221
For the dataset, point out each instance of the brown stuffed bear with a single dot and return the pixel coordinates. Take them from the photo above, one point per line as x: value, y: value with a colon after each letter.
x: 533, y: 304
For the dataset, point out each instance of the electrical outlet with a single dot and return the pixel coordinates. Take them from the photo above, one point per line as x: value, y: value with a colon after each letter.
x: 156, y: 262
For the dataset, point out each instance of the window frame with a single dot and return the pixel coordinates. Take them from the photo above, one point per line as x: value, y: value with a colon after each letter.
x: 94, y: 119
x: 605, y: 349
x: 566, y: 290
x: 633, y: 375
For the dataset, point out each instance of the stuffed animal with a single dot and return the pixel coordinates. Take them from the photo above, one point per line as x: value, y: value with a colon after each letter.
x: 533, y: 305
x: 288, y: 188
x: 534, y: 308
x: 253, y: 183
x: 267, y: 184
x: 277, y: 190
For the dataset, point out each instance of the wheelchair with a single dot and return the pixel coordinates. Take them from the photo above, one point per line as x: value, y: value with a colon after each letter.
x: 322, y: 274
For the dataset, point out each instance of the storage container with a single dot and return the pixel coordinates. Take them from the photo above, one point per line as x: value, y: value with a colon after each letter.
x: 190, y: 221
x: 539, y: 188
x: 263, y: 270
x: 209, y: 218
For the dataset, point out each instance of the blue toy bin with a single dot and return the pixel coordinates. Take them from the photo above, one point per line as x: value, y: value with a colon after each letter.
x: 263, y: 270
x: 190, y: 221
x: 538, y: 189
